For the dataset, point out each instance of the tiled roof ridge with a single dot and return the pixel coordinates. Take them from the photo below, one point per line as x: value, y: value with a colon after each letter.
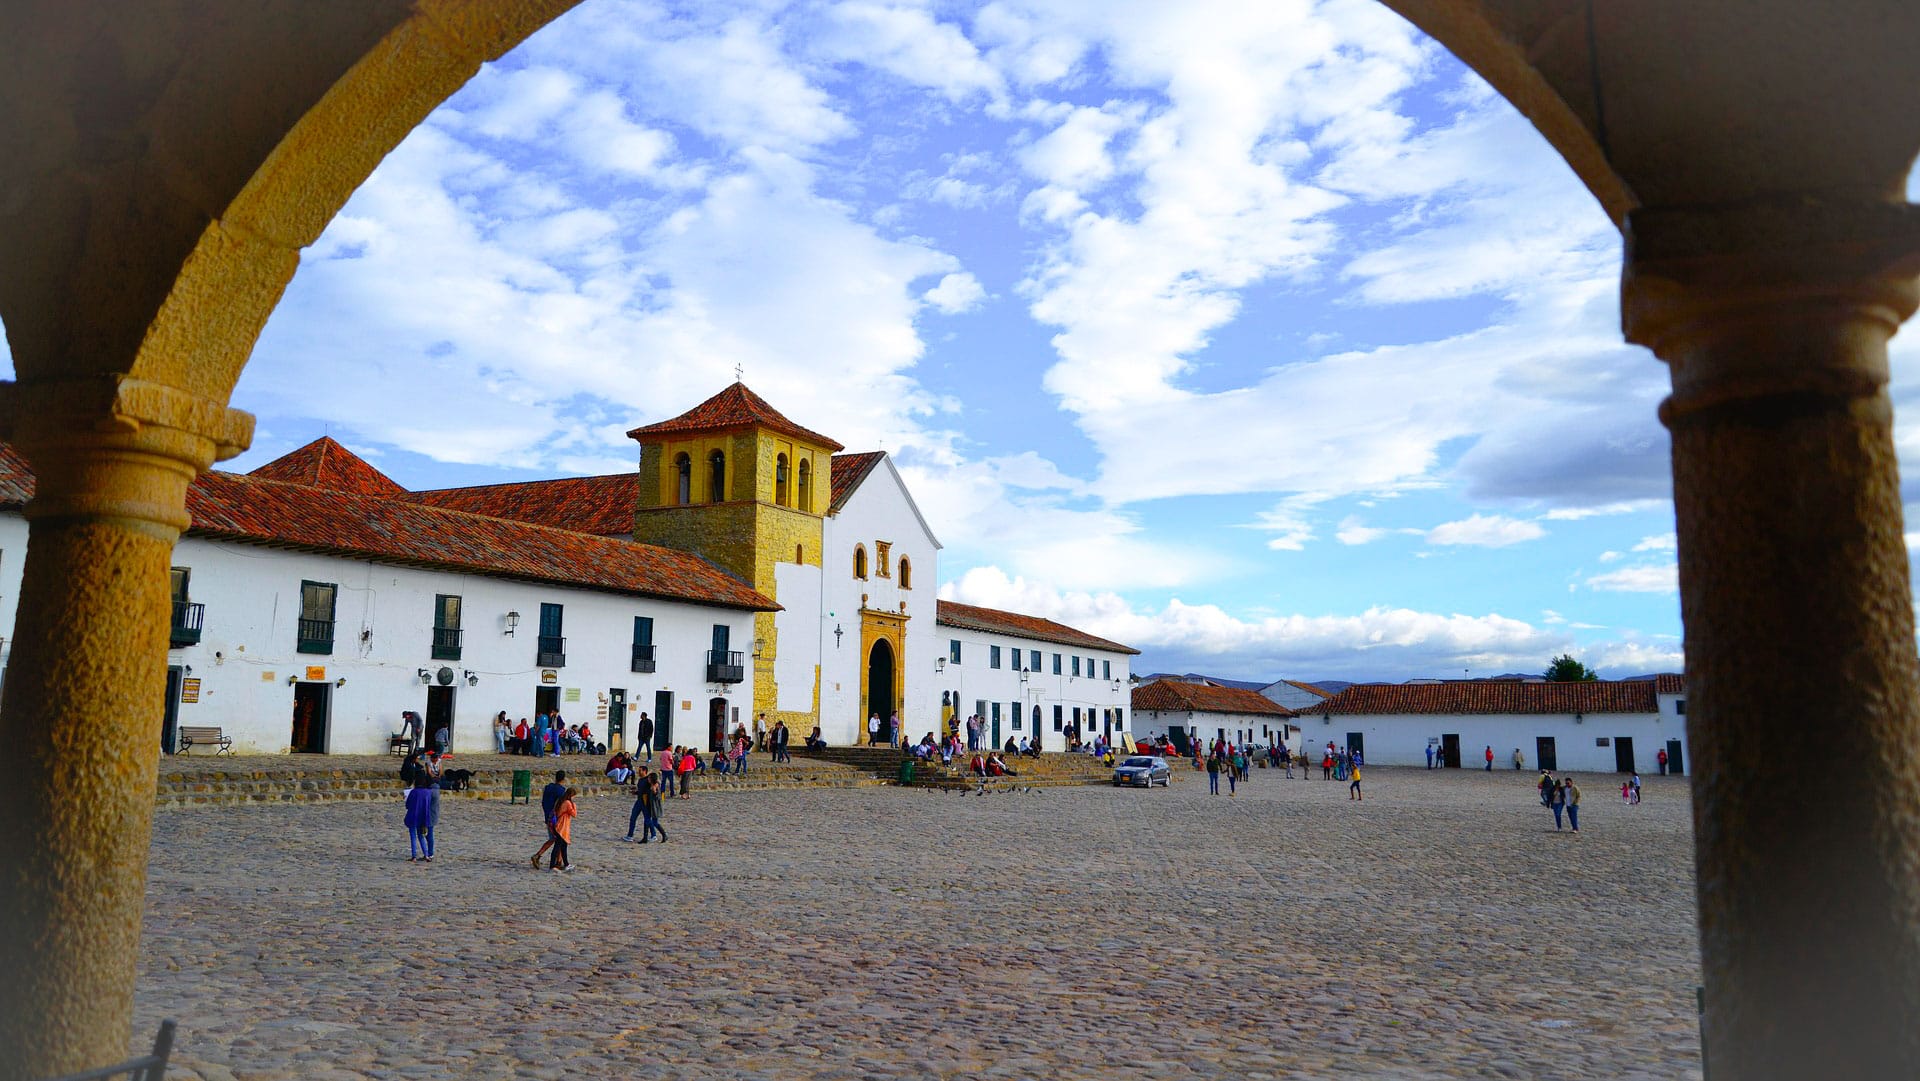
x: 325, y: 463
x: 733, y: 408
x: 1020, y: 625
x: 410, y: 496
x: 601, y: 504
x: 509, y: 563
x: 1174, y: 694
x: 1494, y: 697
x: 845, y: 472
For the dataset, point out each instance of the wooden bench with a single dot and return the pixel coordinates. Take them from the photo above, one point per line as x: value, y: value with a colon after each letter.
x: 209, y: 736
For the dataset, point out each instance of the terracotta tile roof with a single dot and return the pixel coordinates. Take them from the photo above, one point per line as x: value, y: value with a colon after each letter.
x: 1668, y: 683
x: 262, y: 511
x: 1173, y: 695
x: 994, y: 621
x: 1493, y: 696
x: 601, y: 505
x: 848, y: 471
x: 324, y: 463
x: 732, y: 409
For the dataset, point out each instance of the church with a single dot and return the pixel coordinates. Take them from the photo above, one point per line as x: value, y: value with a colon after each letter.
x: 748, y: 572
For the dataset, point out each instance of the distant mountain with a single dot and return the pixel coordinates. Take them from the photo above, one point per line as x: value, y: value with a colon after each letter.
x: 1331, y: 686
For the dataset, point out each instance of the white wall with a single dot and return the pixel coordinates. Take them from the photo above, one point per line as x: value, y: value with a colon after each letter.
x: 974, y: 680
x: 879, y: 510
x: 13, y: 558
x: 1401, y: 740
x: 383, y: 636
x: 797, y: 625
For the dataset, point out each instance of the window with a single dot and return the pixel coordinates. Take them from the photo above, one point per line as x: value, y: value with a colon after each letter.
x: 799, y: 553
x: 1680, y: 706
x: 1106, y: 669
x: 906, y: 573
x: 805, y: 502
x: 1013, y: 711
x: 683, y: 469
x: 717, y: 477
x: 187, y: 616
x: 780, y: 480
x: 1056, y: 664
x: 1076, y: 665
x: 1076, y: 717
x: 724, y: 665
x: 1089, y: 667
x: 1119, y: 720
x: 953, y: 651
x: 859, y: 561
x: 642, y: 644
x: 552, y: 648
x: 1013, y: 659
x: 1033, y: 661
x: 1058, y: 712
x: 883, y: 558
x: 446, y: 627
x: 316, y: 617
x: 993, y: 656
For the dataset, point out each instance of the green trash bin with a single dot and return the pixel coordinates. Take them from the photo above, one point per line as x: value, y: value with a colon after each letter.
x: 906, y: 771
x: 522, y: 786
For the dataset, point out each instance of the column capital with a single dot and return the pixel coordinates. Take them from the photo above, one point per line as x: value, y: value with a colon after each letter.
x: 114, y: 446
x: 1772, y: 297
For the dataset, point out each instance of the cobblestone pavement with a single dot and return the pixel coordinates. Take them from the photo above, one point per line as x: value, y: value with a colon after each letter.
x: 1439, y: 928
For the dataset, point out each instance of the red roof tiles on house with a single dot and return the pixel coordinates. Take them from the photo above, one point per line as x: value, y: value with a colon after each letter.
x: 263, y: 511
x: 1668, y: 683
x: 733, y: 409
x: 600, y: 505
x: 848, y: 471
x: 1605, y: 696
x: 1173, y: 695
x: 324, y: 463
x: 994, y: 621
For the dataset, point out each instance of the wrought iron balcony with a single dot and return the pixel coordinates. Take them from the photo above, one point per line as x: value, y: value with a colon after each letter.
x: 316, y: 636
x: 446, y: 643
x: 725, y: 667
x: 553, y: 651
x: 643, y: 657
x: 186, y: 624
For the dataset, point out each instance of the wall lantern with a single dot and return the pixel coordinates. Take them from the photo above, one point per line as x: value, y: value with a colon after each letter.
x: 513, y: 621
x: 1024, y: 674
x: 425, y: 676
x: 1577, y: 718
x: 939, y: 664
x: 759, y: 646
x: 473, y: 680
x: 341, y: 682
x: 291, y: 680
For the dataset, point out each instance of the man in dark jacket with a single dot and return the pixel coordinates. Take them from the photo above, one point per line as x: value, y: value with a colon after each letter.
x: 643, y: 733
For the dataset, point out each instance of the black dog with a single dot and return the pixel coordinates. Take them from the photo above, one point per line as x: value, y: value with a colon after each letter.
x: 456, y: 780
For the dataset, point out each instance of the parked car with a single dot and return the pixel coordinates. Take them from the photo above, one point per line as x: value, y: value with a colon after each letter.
x: 1140, y: 769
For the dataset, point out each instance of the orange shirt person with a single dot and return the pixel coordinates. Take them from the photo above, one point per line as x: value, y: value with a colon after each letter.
x: 563, y: 815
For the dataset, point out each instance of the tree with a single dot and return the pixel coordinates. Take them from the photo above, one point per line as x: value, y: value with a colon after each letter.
x: 1565, y: 669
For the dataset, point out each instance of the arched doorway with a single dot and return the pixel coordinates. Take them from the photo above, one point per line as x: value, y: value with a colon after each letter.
x: 716, y: 723
x: 880, y: 692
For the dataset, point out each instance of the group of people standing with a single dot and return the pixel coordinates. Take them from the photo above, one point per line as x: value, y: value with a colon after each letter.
x: 1562, y: 796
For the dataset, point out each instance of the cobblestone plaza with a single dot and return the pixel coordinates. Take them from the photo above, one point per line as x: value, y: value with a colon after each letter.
x: 1438, y: 928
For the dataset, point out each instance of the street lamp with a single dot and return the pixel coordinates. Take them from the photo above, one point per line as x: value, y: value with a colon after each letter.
x: 513, y: 620
x: 939, y: 664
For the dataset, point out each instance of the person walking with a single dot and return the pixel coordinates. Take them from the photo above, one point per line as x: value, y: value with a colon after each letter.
x: 563, y: 814
x: 1518, y: 762
x: 686, y: 770
x: 1572, y: 798
x: 779, y: 741
x: 1557, y: 800
x: 419, y: 820
x: 1636, y: 789
x: 550, y: 797
x: 1353, y: 786
x: 873, y: 729
x: 1489, y: 758
x: 650, y: 812
x: 1213, y: 773
x: 1233, y: 774
x: 641, y: 778
x: 1545, y: 786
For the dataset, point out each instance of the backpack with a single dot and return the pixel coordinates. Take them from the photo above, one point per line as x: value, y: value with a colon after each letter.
x: 409, y: 769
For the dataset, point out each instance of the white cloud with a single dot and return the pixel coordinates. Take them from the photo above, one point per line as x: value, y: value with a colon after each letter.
x: 1664, y: 542
x: 1352, y: 532
x: 909, y: 43
x: 957, y: 292
x: 1378, y: 643
x: 1485, y: 531
x: 1664, y: 578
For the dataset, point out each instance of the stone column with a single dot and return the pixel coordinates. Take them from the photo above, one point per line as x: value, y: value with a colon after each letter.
x: 80, y: 716
x: 1801, y: 667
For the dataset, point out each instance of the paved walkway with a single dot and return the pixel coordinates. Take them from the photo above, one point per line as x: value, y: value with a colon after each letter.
x: 1439, y: 928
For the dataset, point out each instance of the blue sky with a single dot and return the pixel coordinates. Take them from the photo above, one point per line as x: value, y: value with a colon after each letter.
x: 1262, y: 337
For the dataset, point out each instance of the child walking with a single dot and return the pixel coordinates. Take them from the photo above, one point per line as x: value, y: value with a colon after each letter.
x: 419, y: 819
x: 1353, y: 787
x: 563, y: 814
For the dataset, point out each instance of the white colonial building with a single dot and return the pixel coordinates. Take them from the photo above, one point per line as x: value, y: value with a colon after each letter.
x: 314, y: 601
x: 1029, y: 678
x: 1596, y: 727
x: 1200, y: 713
